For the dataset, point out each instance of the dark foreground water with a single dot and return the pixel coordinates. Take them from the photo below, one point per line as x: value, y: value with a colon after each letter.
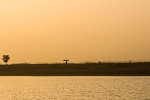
x: 75, y: 88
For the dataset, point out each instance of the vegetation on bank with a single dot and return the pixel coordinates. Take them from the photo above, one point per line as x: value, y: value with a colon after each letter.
x: 6, y: 58
x: 86, y: 69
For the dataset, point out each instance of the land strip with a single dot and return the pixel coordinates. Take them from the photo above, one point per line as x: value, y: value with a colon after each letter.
x: 87, y: 69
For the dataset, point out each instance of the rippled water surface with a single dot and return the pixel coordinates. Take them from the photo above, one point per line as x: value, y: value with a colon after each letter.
x: 75, y: 88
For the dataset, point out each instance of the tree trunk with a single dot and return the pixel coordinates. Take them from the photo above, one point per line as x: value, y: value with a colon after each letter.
x: 66, y: 62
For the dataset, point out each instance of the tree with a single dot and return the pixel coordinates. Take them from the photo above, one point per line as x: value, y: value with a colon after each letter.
x: 66, y: 60
x: 6, y: 58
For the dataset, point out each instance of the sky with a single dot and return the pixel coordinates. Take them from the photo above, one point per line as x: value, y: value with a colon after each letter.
x: 48, y: 31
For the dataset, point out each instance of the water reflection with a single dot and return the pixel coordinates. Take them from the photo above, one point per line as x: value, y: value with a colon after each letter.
x: 75, y: 88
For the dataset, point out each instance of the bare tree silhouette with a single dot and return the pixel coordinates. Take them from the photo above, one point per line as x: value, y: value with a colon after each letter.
x: 66, y: 60
x: 6, y: 58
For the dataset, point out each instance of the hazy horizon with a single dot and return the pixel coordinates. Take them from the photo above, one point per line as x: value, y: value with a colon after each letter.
x: 48, y: 31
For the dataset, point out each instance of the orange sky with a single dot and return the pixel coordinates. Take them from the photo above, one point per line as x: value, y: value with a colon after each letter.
x: 38, y: 31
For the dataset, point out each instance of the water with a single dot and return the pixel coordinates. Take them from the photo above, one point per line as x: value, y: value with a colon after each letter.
x: 75, y: 88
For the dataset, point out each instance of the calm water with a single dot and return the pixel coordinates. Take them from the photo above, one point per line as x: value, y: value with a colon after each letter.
x: 75, y: 88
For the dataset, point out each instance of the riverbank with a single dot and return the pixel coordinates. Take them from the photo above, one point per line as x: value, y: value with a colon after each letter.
x: 87, y: 69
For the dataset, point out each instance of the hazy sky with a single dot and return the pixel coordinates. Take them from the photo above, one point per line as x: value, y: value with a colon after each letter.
x: 38, y: 31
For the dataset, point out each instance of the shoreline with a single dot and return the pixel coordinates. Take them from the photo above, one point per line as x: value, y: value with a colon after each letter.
x: 90, y: 69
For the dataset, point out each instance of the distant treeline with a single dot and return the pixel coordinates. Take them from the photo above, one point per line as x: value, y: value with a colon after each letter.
x: 98, y: 62
x: 77, y: 69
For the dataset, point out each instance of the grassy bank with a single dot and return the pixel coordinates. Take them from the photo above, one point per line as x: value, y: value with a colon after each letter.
x: 93, y: 69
